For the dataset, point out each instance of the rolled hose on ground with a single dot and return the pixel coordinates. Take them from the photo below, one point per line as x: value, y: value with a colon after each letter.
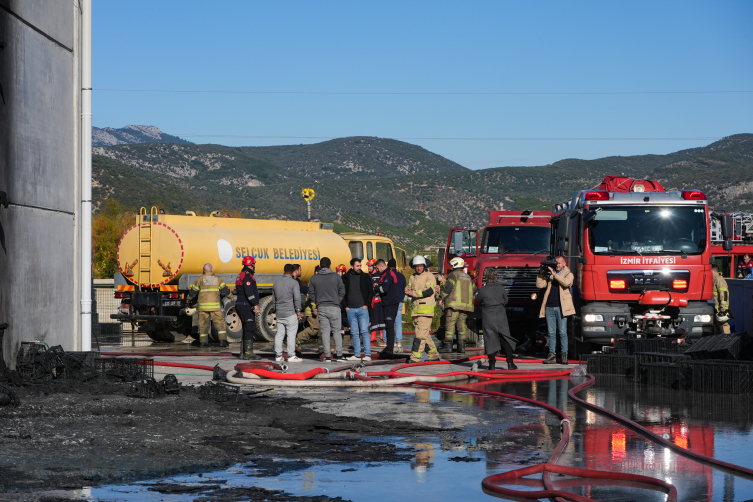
x: 343, y: 383
x: 491, y: 483
x: 721, y: 465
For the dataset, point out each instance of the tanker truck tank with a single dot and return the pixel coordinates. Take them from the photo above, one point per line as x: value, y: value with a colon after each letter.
x: 161, y: 256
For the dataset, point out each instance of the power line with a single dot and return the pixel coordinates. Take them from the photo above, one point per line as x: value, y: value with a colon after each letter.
x: 699, y: 138
x: 337, y: 93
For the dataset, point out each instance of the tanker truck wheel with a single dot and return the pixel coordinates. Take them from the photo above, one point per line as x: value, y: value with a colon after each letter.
x: 173, y: 332
x: 266, y: 320
x: 234, y: 326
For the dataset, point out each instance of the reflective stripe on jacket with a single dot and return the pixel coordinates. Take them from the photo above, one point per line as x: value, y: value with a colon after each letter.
x: 721, y: 293
x: 458, y: 290
x: 423, y: 306
x: 210, y: 289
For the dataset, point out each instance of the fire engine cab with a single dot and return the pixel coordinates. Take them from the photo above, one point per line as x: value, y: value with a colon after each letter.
x: 641, y: 260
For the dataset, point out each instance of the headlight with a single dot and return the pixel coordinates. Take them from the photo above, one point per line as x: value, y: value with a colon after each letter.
x: 534, y: 296
x: 702, y: 318
x: 593, y: 318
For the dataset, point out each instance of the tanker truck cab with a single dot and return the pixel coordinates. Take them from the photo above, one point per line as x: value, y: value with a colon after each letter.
x: 641, y: 264
x: 373, y: 247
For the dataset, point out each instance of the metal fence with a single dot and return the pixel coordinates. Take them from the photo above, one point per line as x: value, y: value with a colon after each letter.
x: 107, y: 332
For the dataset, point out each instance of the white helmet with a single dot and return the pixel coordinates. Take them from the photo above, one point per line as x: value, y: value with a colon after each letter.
x: 722, y: 317
x: 457, y: 262
x: 418, y: 260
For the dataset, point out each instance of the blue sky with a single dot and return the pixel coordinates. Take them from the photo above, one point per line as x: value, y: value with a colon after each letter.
x: 430, y: 47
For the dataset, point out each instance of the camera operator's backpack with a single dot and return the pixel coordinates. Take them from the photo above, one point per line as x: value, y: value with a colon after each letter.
x: 621, y: 185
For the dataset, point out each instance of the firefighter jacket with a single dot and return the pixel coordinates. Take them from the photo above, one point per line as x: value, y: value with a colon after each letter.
x: 209, y: 289
x: 458, y: 291
x: 423, y: 300
x: 246, y: 292
x: 721, y: 293
x: 564, y: 281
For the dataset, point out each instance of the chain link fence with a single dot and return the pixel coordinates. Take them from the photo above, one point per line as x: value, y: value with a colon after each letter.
x: 107, y: 332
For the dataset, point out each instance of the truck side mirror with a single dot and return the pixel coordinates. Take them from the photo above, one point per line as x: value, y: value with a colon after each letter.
x: 727, y: 245
x: 727, y: 232
x: 562, y: 245
x: 589, y: 216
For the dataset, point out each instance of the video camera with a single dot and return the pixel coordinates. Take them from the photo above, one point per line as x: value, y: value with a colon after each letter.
x: 548, y: 262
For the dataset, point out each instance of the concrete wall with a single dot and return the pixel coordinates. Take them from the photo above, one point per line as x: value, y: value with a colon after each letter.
x: 39, y: 171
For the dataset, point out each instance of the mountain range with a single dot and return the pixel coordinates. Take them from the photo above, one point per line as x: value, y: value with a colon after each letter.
x: 402, y: 190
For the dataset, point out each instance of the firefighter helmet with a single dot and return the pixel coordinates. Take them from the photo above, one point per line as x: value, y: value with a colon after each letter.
x: 418, y: 260
x: 371, y: 263
x: 457, y: 262
x: 248, y: 261
x: 340, y: 268
x: 722, y: 316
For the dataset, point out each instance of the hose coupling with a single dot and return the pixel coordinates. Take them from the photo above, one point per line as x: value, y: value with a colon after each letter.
x: 562, y: 423
x: 284, y: 367
x: 362, y: 364
x: 326, y: 370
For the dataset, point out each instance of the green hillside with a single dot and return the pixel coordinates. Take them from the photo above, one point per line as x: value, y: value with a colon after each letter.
x: 416, y: 210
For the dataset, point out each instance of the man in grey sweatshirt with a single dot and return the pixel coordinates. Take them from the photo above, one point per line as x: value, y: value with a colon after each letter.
x: 287, y: 302
x: 326, y: 291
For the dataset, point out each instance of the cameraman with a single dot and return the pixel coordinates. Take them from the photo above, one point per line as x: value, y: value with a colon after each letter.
x: 556, y: 305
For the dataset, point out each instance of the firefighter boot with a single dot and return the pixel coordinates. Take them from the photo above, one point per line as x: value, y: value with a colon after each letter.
x: 433, y: 355
x: 552, y: 359
x: 564, y: 358
x: 247, y: 350
x: 224, y: 343
x: 492, y: 362
x: 461, y: 346
x: 446, y: 345
x: 415, y: 355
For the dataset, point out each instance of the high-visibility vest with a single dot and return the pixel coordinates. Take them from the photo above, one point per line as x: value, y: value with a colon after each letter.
x: 423, y: 306
x: 208, y: 287
x: 457, y: 292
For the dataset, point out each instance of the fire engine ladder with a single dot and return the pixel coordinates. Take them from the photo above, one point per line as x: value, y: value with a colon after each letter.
x: 145, y: 245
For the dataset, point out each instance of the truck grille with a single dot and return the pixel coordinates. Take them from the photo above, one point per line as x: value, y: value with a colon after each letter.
x: 520, y: 282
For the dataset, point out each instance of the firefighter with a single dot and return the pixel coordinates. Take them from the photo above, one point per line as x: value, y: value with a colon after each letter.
x: 209, y: 290
x: 721, y: 302
x: 457, y: 297
x: 247, y: 306
x: 421, y: 291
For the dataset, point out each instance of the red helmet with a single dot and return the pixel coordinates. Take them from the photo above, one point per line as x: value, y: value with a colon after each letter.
x: 371, y: 262
x: 341, y: 268
x: 249, y: 260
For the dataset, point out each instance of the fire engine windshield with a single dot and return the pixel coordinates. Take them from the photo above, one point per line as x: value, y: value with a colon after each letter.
x: 648, y: 230
x: 516, y: 240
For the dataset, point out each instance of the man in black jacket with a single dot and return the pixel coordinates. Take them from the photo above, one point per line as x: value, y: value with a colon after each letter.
x: 247, y: 306
x: 358, y: 294
x: 391, y: 297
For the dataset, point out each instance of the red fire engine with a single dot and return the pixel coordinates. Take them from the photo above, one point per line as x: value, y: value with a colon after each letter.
x: 513, y: 243
x: 641, y: 261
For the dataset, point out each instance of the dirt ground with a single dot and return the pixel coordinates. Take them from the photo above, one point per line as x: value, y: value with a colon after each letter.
x: 67, y: 436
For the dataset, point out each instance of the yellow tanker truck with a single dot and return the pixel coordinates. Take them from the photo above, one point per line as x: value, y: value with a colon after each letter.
x: 163, y: 254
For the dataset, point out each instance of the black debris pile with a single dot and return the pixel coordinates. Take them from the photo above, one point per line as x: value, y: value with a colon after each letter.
x: 219, y: 392
x: 126, y: 369
x: 8, y: 397
x: 219, y: 375
x: 149, y: 388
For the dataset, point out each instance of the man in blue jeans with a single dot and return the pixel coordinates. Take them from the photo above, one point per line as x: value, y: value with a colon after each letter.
x: 556, y: 306
x: 358, y: 293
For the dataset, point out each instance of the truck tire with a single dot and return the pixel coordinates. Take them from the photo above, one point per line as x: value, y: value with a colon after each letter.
x: 266, y: 320
x: 233, y: 323
x: 173, y: 332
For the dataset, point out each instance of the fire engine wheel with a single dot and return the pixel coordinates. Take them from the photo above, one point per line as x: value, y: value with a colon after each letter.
x: 266, y: 320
